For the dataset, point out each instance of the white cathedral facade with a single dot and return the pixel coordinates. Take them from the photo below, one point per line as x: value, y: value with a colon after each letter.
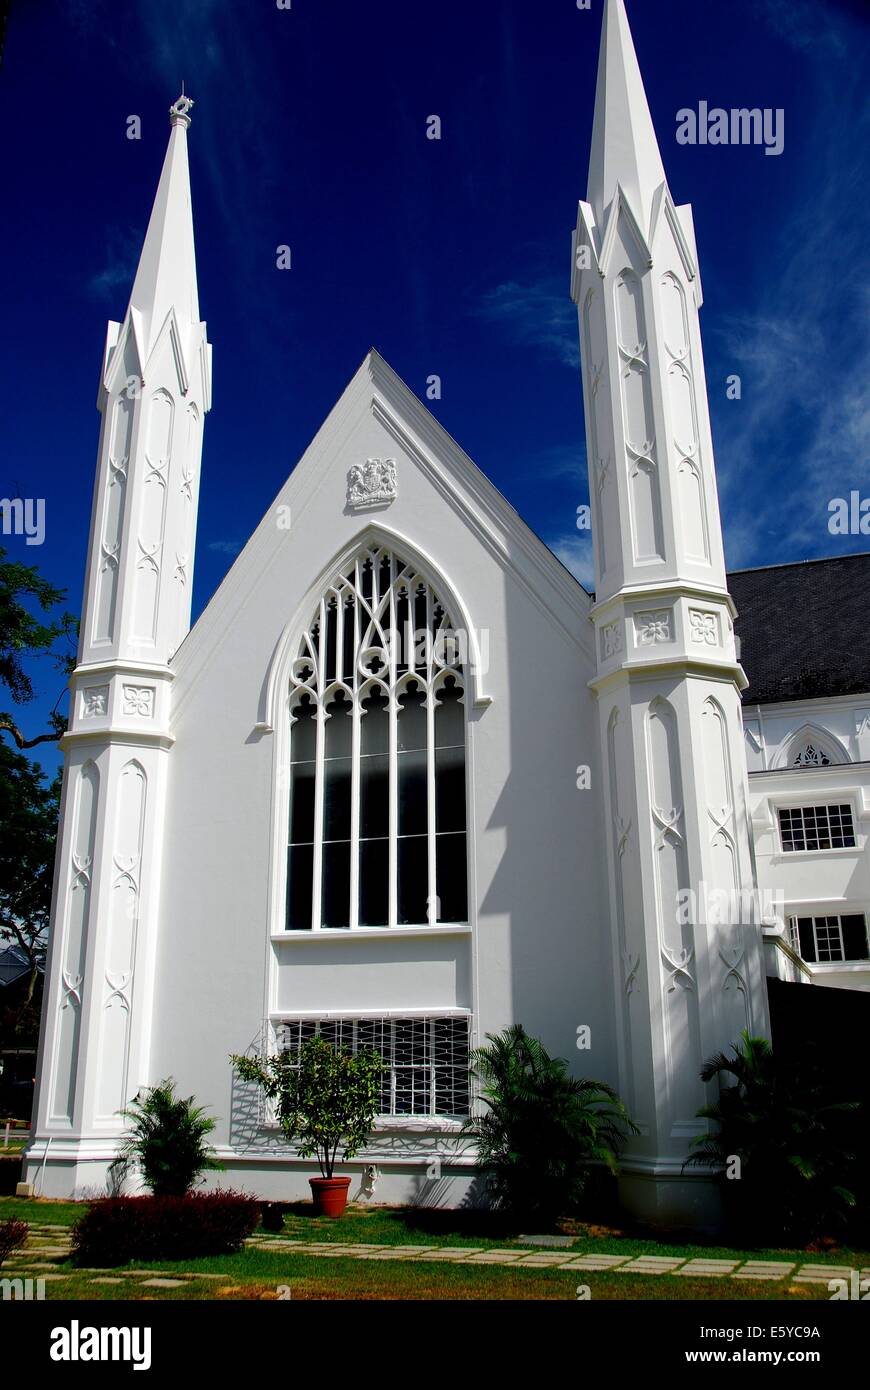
x: 405, y: 782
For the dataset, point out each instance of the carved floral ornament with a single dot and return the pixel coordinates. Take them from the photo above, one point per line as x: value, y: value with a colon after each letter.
x: 372, y: 483
x: 704, y: 626
x: 611, y: 640
x: 139, y: 700
x: 95, y: 701
x: 654, y: 627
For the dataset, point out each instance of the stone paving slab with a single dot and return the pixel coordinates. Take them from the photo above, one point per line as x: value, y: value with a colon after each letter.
x: 765, y: 1269
x: 105, y: 1279
x: 820, y: 1274
x: 495, y: 1257
x: 600, y: 1262
x: 541, y: 1261
x: 554, y: 1242
x: 163, y: 1283
x: 712, y: 1269
x: 448, y: 1256
x: 387, y: 1255
x: 652, y: 1264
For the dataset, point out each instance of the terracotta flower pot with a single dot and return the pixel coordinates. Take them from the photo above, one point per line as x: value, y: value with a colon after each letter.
x: 329, y: 1195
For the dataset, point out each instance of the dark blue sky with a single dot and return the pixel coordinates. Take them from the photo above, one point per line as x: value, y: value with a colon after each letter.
x: 451, y: 257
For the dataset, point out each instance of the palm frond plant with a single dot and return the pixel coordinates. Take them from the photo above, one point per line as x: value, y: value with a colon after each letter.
x: 791, y: 1137
x: 544, y: 1130
x: 166, y: 1141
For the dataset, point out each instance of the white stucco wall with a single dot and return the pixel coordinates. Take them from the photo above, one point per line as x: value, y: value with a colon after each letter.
x: 822, y: 882
x: 537, y: 950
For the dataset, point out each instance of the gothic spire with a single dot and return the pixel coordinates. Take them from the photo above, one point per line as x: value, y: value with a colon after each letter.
x: 166, y: 277
x: 624, y: 146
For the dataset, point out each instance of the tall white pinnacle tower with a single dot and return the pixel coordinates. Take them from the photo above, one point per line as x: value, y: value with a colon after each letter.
x: 668, y: 678
x: 155, y: 388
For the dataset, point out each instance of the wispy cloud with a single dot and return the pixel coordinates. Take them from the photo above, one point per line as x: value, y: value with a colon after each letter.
x: 800, y: 435
x: 537, y: 315
x: 119, y: 267
x: 575, y: 552
x: 805, y: 24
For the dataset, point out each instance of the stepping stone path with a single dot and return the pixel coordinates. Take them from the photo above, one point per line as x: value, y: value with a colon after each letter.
x: 47, y: 1245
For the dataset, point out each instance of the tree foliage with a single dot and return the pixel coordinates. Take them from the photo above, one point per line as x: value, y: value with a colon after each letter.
x: 28, y: 802
x: 325, y: 1097
x: 25, y: 635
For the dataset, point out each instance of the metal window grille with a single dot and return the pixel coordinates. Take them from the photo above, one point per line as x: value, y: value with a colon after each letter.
x: 427, y: 1059
x: 816, y: 827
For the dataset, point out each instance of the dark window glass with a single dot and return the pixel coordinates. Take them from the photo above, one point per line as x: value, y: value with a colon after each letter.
x: 303, y: 732
x: 300, y: 855
x: 335, y: 890
x: 339, y: 727
x: 337, y: 769
x: 413, y: 880
x: 374, y: 796
x: 302, y: 777
x: 449, y: 717
x: 854, y: 936
x: 451, y: 878
x: 300, y: 869
x: 374, y: 883
x: 331, y: 639
x: 401, y: 633
x: 375, y: 725
x: 807, y: 938
x: 347, y: 671
x: 411, y: 724
x: 449, y: 789
x: 413, y: 803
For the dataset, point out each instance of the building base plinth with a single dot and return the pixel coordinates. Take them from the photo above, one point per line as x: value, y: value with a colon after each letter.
x: 668, y: 1199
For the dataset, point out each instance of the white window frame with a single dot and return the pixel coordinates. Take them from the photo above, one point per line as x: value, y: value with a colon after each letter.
x: 820, y: 915
x: 804, y: 804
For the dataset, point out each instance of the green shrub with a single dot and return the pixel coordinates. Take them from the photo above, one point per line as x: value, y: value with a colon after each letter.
x: 543, y: 1129
x: 794, y: 1141
x: 166, y: 1141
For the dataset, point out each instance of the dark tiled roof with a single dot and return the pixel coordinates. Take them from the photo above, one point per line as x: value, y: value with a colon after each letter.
x: 804, y: 629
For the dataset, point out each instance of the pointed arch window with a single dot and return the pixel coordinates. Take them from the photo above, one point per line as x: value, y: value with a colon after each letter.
x: 377, y: 818
x: 812, y: 747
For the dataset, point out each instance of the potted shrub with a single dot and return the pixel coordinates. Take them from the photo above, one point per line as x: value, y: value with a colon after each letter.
x: 325, y: 1100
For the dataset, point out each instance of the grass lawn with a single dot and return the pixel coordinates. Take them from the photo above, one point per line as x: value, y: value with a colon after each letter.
x: 258, y: 1273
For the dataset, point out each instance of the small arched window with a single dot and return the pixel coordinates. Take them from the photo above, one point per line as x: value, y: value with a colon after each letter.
x: 377, y: 826
x: 811, y: 746
x: 811, y: 755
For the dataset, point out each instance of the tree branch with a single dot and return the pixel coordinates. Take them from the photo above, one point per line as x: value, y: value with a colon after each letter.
x: 23, y: 742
